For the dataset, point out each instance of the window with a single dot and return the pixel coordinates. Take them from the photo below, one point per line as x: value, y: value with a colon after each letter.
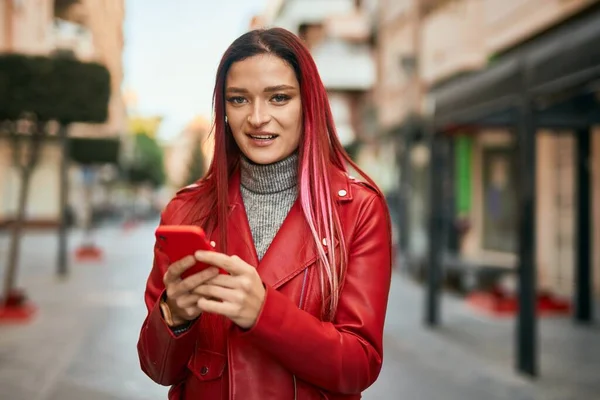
x: 500, y: 215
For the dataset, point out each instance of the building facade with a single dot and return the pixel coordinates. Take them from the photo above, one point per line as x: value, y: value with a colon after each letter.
x: 91, y: 31
x: 421, y: 47
x: 463, y: 37
x: 338, y: 33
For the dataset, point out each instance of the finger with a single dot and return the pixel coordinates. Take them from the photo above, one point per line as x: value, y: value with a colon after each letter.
x: 201, y: 277
x: 234, y: 265
x: 177, y: 289
x: 226, y: 309
x: 175, y: 270
x: 187, y: 301
x: 217, y: 293
x: 226, y: 281
x: 191, y: 282
x: 191, y: 312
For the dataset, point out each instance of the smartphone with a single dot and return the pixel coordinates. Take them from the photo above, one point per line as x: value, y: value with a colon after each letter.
x: 179, y: 241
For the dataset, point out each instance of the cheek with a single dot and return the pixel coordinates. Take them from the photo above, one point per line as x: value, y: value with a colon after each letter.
x: 235, y: 122
x: 295, y: 123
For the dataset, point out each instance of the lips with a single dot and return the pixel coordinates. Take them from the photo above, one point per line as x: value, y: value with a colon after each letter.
x: 262, y: 136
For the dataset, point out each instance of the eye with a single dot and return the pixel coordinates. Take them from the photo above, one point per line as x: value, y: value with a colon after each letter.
x: 236, y: 100
x: 280, y: 98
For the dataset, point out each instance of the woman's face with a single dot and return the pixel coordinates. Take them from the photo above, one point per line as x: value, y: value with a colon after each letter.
x: 263, y: 108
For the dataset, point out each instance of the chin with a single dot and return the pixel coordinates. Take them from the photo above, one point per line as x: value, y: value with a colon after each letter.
x: 265, y: 158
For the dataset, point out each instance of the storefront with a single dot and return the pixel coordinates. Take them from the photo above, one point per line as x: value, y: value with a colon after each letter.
x: 548, y: 86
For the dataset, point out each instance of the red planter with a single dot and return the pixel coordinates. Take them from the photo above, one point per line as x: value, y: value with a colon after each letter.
x: 499, y: 304
x: 16, y: 309
x: 88, y: 253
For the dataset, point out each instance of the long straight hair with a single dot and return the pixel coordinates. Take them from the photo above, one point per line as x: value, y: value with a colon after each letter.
x: 320, y: 152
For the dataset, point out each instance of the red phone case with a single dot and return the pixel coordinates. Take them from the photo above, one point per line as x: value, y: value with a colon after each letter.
x: 179, y: 241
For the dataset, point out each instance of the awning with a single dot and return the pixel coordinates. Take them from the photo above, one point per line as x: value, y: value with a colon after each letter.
x: 565, y: 59
x: 478, y: 95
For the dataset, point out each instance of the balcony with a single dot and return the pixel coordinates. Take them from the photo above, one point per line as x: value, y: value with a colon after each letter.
x: 294, y: 13
x: 333, y: 58
x: 69, y: 37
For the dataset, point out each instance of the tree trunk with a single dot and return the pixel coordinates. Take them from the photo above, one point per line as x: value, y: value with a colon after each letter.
x: 26, y: 152
x: 17, y: 227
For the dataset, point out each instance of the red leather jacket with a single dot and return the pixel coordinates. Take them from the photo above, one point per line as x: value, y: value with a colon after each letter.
x: 289, y: 353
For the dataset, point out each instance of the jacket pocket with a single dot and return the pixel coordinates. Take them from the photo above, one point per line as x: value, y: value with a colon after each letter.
x: 207, y: 365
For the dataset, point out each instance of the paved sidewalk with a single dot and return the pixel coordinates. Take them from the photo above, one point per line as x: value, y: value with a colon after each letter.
x: 471, y: 356
x: 82, y: 345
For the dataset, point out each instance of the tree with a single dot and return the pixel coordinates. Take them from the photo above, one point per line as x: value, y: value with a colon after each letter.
x: 35, y: 90
x: 147, y: 165
x: 26, y: 138
x: 196, y: 166
x: 61, y: 89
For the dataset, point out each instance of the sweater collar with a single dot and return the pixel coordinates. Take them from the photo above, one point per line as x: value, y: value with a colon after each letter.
x: 269, y: 178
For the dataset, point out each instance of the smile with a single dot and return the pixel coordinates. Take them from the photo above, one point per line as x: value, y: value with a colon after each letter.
x: 263, y: 137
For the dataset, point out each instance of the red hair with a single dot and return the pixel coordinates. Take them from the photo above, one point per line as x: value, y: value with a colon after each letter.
x: 320, y: 151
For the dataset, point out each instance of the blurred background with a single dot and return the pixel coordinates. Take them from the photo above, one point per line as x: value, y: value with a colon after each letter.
x: 479, y: 119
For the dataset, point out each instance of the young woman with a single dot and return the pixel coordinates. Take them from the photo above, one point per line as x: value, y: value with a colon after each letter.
x: 307, y: 247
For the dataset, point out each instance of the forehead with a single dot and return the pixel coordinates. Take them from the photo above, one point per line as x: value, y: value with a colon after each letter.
x: 260, y: 71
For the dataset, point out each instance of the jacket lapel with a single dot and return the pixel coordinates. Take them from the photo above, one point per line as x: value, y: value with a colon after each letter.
x: 290, y: 252
x: 292, y: 249
x: 239, y: 235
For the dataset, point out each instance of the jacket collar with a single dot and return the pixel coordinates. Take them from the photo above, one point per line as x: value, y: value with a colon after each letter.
x: 292, y: 250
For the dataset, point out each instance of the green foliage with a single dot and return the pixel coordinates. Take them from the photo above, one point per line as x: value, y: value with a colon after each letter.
x: 52, y: 88
x: 196, y: 167
x: 147, y: 165
x: 90, y: 151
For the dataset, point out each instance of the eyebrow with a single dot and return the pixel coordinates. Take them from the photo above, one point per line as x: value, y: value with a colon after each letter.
x: 268, y: 89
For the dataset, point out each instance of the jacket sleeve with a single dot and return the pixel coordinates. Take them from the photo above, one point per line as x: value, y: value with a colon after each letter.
x: 163, y: 355
x: 343, y: 356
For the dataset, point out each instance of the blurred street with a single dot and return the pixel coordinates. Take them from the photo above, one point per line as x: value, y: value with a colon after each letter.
x: 486, y: 148
x: 82, y: 344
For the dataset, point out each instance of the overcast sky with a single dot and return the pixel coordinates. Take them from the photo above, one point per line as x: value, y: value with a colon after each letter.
x: 172, y: 49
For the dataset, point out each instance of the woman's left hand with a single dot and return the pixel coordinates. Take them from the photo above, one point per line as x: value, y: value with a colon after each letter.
x: 238, y: 296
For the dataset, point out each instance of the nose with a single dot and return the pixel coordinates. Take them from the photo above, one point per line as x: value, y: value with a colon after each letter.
x: 258, y: 116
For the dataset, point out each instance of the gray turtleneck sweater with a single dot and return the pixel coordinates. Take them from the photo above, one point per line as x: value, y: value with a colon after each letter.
x: 268, y: 191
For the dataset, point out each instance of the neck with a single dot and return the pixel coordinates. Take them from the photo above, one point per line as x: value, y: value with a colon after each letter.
x: 269, y: 178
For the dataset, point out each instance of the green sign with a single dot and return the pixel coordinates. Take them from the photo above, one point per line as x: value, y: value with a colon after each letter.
x: 462, y: 151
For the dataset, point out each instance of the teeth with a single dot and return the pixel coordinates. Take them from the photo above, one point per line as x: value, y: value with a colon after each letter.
x: 266, y: 137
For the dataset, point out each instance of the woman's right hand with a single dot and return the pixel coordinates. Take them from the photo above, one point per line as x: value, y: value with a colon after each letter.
x: 180, y: 296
